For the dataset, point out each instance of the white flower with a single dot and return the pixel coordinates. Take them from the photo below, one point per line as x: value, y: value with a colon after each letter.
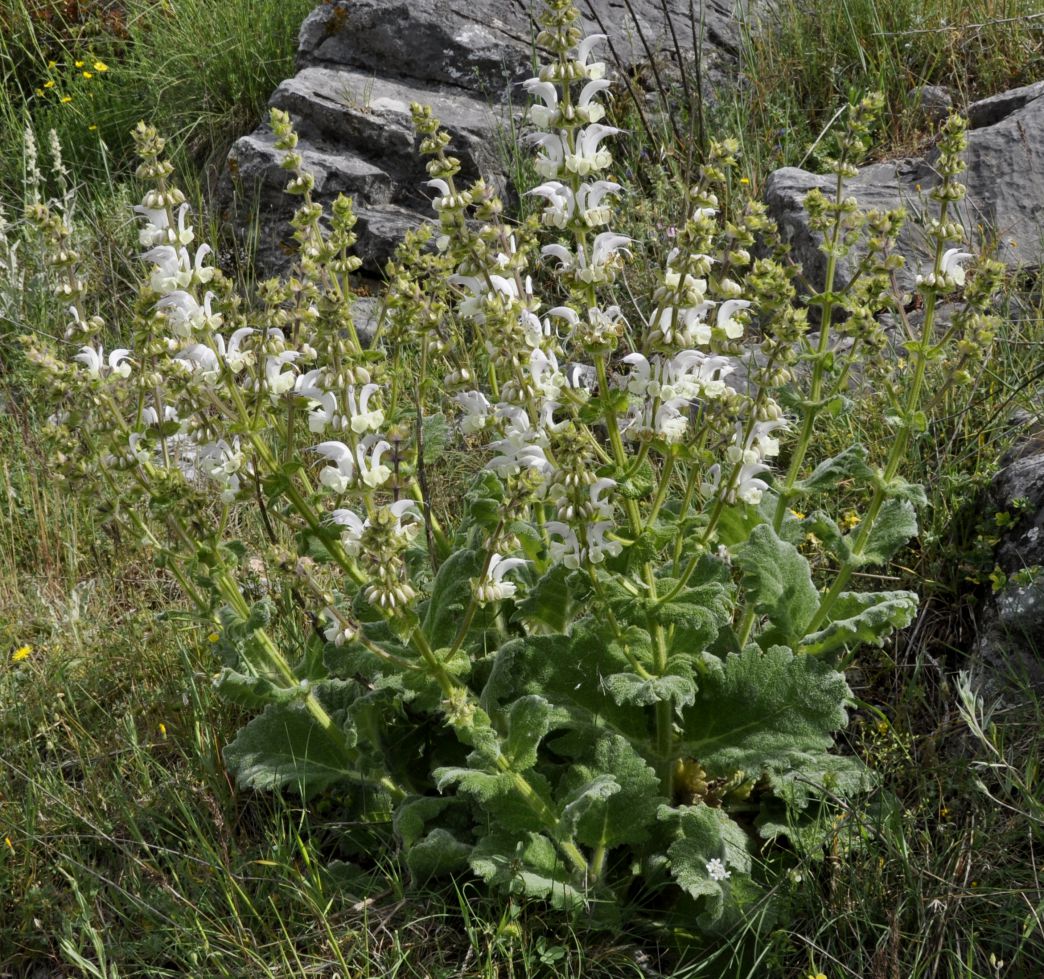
x: 339, y: 631
x: 493, y: 588
x: 476, y: 411
x: 95, y: 362
x: 951, y: 269
x: 588, y: 156
x: 583, y: 50
x: 365, y: 461
x: 371, y: 471
x: 549, y: 161
x: 278, y: 381
x: 352, y: 528
x: 716, y: 870
x: 731, y: 327
x: 364, y: 420
x: 185, y: 314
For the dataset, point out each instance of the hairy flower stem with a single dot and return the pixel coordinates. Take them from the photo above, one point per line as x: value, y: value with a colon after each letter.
x: 895, y: 456
x: 814, y: 405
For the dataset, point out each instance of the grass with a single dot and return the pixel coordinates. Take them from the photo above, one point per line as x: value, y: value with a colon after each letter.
x: 125, y: 850
x: 192, y: 68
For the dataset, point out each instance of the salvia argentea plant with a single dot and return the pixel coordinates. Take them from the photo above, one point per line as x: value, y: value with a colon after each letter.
x: 609, y: 675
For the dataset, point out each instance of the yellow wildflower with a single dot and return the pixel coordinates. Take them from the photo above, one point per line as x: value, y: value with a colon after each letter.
x: 52, y: 64
x: 100, y: 66
x: 817, y: 975
x: 850, y: 520
x: 744, y: 180
x: 78, y: 64
x: 213, y: 637
x: 21, y: 653
x: 65, y: 99
x: 8, y: 843
x: 91, y: 128
x: 797, y: 515
x: 87, y: 74
x: 49, y: 83
x: 39, y: 91
x: 163, y: 729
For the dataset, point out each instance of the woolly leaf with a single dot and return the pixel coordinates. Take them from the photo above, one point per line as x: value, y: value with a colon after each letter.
x: 549, y: 604
x: 252, y: 691
x: 284, y: 747
x: 862, y: 617
x: 437, y: 854
x: 626, y: 815
x: 581, y: 801
x: 450, y: 595
x: 413, y: 814
x: 896, y: 523
x: 849, y: 464
x: 756, y: 711
x: 530, y: 866
x: 705, y: 834
x: 481, y: 786
x: 778, y: 583
x: 529, y: 719
x: 628, y: 688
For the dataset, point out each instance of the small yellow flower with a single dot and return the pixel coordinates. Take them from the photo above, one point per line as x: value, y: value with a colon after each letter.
x: 163, y: 729
x: 744, y: 180
x: 52, y: 64
x: 100, y: 66
x: 21, y: 653
x: 797, y: 514
x: 78, y: 64
x: 850, y: 520
x: 91, y: 128
x: 213, y: 637
x: 49, y: 83
x: 8, y: 843
x: 87, y: 74
x: 817, y: 975
x: 39, y: 91
x: 65, y: 99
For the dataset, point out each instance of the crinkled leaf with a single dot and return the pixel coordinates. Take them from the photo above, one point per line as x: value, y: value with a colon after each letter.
x: 253, y: 691
x: 529, y: 719
x: 626, y: 815
x: 902, y: 490
x: 706, y: 833
x: 437, y: 854
x: 763, y: 710
x: 629, y: 688
x: 896, y: 523
x: 450, y: 595
x: 778, y: 583
x: 548, y: 606
x: 862, y: 617
x: 481, y: 786
x: 413, y: 814
x: 849, y: 464
x: 285, y: 747
x: 581, y: 801
x: 530, y: 865
x: 565, y: 670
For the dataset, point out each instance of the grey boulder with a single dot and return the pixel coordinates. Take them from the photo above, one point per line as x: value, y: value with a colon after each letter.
x: 361, y: 64
x: 1004, y: 207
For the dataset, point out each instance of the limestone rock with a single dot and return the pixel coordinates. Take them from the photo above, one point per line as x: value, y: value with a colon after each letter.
x: 1004, y: 177
x: 1010, y: 647
x: 361, y: 64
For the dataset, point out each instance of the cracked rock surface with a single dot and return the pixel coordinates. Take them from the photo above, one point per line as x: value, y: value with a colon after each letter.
x: 362, y: 62
x: 1004, y: 177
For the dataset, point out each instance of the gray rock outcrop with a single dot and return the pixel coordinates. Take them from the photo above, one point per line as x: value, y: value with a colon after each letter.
x: 362, y: 62
x: 1004, y: 207
x: 1010, y: 648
